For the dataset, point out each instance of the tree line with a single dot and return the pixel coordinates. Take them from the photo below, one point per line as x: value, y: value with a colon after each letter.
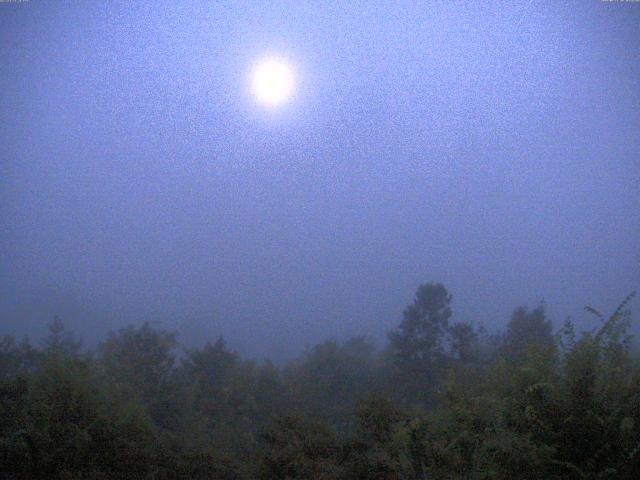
x: 441, y: 400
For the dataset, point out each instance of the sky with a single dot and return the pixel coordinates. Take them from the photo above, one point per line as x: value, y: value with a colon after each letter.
x: 490, y: 146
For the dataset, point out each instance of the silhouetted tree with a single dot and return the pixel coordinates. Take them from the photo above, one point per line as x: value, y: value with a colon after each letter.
x: 527, y: 330
x: 329, y: 379
x: 60, y: 340
x: 139, y: 363
x: 464, y: 346
x: 419, y: 344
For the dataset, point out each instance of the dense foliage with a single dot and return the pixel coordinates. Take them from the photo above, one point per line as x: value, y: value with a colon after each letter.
x: 442, y: 400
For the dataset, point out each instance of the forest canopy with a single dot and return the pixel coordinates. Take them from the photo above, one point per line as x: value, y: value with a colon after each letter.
x: 439, y: 400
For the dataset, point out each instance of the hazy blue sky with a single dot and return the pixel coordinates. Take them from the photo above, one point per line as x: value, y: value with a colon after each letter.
x: 492, y: 146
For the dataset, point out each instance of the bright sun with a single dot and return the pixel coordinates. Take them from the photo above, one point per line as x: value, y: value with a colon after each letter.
x: 272, y: 81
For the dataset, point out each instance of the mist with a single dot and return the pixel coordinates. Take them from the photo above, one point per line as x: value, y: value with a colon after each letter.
x: 492, y: 147
x: 296, y: 240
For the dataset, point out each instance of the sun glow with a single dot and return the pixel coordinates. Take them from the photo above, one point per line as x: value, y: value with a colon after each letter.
x: 272, y: 81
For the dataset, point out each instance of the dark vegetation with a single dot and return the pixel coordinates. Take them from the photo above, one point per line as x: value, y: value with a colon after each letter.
x: 442, y: 400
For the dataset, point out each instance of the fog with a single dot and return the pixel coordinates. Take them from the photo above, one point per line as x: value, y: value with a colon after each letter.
x: 493, y: 147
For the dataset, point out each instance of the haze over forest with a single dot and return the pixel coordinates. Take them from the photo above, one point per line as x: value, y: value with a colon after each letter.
x: 492, y: 147
x: 296, y: 240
